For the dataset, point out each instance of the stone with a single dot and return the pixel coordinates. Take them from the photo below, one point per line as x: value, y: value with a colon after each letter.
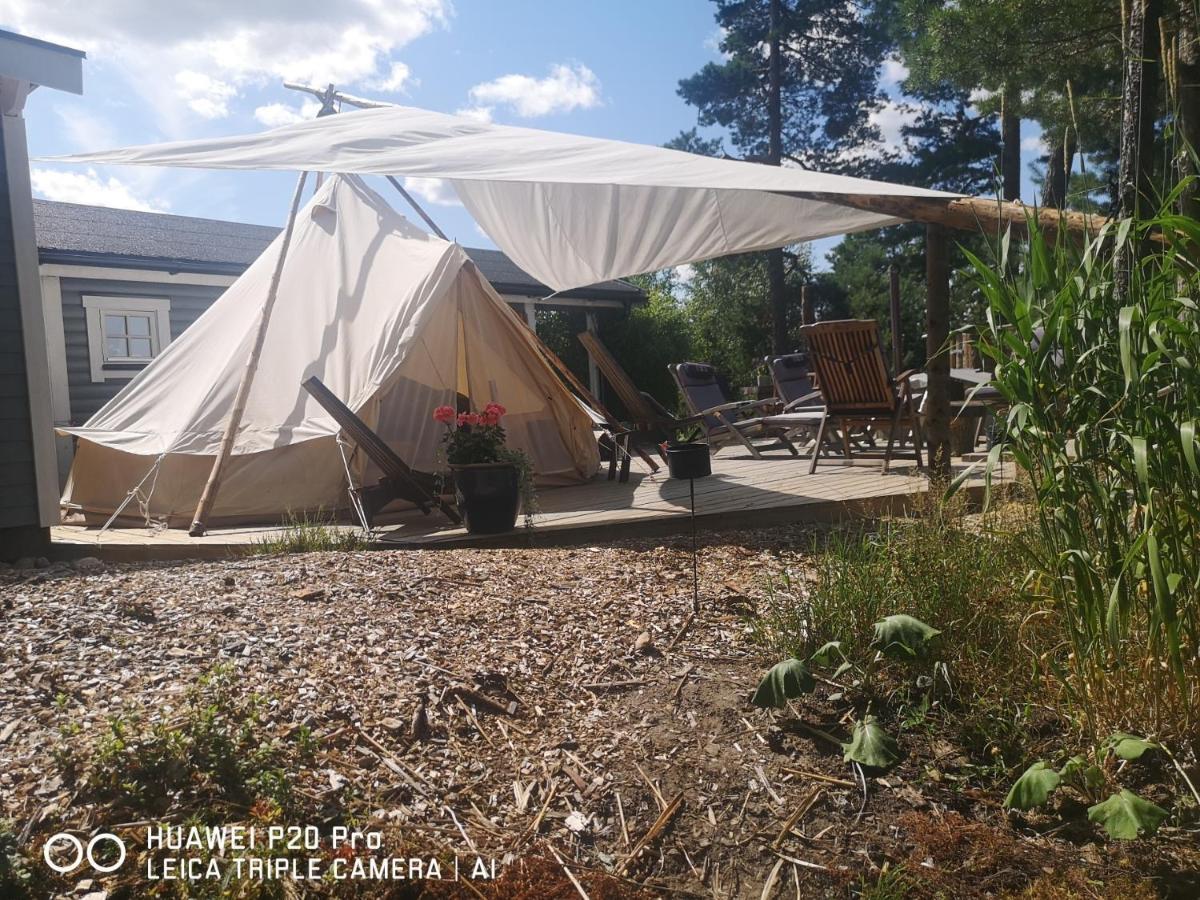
x: 89, y: 565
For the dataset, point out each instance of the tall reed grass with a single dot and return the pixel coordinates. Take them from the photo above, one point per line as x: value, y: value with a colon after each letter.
x: 1104, y: 397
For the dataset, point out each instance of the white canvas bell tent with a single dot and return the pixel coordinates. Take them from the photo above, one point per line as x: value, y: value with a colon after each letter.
x: 394, y: 321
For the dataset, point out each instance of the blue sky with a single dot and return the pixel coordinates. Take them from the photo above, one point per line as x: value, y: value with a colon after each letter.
x: 193, y: 68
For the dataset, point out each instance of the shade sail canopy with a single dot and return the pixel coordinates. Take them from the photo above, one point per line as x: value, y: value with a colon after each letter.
x: 394, y: 321
x: 570, y: 210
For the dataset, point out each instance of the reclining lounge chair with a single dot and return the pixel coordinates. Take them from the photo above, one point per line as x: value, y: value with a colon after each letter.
x: 728, y: 421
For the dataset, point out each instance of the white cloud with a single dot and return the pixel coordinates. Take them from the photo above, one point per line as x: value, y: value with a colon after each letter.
x: 90, y: 188
x: 396, y: 79
x: 1035, y: 145
x: 197, y: 56
x: 564, y: 89
x: 893, y: 72
x: 890, y: 119
x: 433, y: 190
x: 273, y: 115
x: 206, y: 96
x: 478, y: 113
x: 713, y: 42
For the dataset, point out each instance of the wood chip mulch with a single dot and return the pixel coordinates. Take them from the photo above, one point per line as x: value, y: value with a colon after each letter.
x: 558, y: 704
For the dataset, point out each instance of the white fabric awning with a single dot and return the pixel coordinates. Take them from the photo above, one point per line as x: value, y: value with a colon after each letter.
x: 568, y: 209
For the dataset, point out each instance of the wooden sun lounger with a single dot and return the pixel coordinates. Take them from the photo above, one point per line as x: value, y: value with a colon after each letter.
x: 399, y: 482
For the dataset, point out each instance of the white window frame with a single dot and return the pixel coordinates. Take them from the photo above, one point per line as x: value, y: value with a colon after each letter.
x: 98, y: 306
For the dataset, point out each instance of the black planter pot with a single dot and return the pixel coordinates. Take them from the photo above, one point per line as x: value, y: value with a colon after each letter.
x: 689, y: 460
x: 488, y: 495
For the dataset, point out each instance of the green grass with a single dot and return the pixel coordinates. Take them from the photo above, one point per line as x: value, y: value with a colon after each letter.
x: 966, y: 579
x: 967, y: 583
x: 309, y: 533
x: 216, y: 751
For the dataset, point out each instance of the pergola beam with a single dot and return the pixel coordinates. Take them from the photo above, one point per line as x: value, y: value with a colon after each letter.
x: 985, y: 214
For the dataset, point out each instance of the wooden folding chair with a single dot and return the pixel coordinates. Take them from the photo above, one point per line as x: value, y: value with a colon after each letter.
x: 858, y: 391
x: 399, y: 482
x: 649, y: 423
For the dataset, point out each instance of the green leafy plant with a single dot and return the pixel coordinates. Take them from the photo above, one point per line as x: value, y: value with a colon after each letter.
x: 1124, y: 815
x: 218, y: 748
x: 785, y: 681
x: 20, y: 877
x: 903, y: 637
x: 870, y: 745
x: 1102, y: 389
x: 1033, y: 788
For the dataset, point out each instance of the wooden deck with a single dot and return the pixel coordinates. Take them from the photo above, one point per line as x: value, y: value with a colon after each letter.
x: 742, y: 492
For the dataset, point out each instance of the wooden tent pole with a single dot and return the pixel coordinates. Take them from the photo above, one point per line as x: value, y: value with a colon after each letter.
x: 413, y: 203
x: 243, y: 392
x: 969, y: 213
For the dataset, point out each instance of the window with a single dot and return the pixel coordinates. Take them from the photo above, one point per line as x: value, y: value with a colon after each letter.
x: 125, y: 334
x: 127, y: 338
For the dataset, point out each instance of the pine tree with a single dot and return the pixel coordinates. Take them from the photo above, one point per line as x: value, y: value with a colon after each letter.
x: 797, y: 85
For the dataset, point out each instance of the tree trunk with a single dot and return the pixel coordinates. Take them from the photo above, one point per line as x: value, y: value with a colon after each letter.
x: 1058, y: 172
x: 1139, y: 93
x: 1187, y: 98
x: 1010, y: 144
x: 1139, y: 97
x: 807, y: 317
x: 937, y: 365
x: 776, y: 278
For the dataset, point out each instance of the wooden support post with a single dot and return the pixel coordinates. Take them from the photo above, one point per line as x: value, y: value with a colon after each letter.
x: 894, y: 305
x: 243, y: 391
x: 937, y: 347
x: 530, y: 309
x: 593, y: 369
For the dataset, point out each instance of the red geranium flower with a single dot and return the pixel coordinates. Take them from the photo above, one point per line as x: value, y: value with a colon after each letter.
x: 443, y: 414
x: 468, y: 419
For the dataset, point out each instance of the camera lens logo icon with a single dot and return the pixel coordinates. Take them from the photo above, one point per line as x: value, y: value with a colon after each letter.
x: 75, y: 846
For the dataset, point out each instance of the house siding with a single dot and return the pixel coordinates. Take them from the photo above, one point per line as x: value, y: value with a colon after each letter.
x: 18, y: 478
x: 188, y: 302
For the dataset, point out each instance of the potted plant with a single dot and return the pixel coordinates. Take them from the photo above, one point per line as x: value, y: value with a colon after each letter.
x: 491, y: 480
